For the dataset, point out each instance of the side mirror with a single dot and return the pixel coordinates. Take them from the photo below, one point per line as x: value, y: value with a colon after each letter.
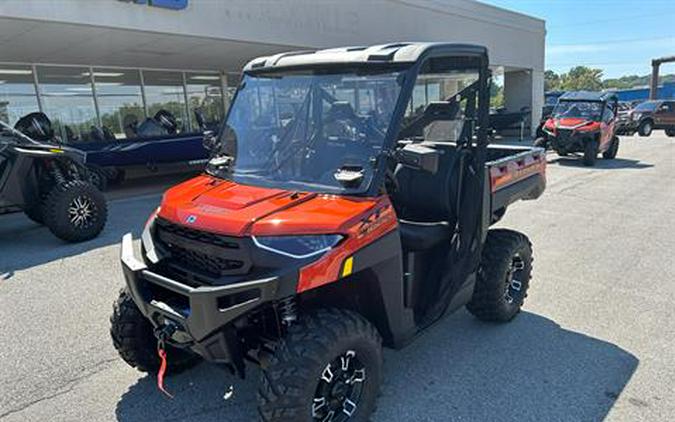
x: 419, y: 157
x: 210, y: 140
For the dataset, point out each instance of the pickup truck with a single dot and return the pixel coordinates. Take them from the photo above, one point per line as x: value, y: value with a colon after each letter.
x: 650, y: 115
x: 316, y: 235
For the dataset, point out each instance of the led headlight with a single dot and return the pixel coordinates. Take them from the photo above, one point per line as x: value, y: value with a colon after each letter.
x: 298, y: 246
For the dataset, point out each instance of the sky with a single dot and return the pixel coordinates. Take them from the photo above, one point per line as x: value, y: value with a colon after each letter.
x: 618, y: 36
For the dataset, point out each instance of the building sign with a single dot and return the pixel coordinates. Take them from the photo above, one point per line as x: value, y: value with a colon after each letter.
x: 164, y: 4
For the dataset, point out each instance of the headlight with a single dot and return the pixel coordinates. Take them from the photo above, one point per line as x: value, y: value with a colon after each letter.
x: 298, y: 246
x: 636, y: 116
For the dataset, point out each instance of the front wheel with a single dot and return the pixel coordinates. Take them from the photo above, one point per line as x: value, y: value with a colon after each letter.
x: 504, y: 276
x: 133, y: 338
x: 75, y: 211
x: 328, y: 368
x: 612, y: 150
x: 645, y: 128
x: 590, y: 153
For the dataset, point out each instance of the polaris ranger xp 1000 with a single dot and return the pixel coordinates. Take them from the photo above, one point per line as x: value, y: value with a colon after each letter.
x: 341, y: 212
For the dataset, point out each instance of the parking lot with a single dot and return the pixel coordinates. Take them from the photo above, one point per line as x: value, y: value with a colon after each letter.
x: 595, y: 340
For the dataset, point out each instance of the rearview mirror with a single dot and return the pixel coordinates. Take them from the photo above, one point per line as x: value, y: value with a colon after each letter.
x: 419, y: 157
x: 210, y: 140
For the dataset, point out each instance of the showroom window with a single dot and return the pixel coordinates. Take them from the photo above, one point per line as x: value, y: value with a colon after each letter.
x: 68, y: 101
x: 17, y: 92
x: 120, y: 100
x: 165, y: 91
x: 233, y: 80
x: 204, y: 92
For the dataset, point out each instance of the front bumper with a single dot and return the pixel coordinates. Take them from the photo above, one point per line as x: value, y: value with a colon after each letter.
x: 202, y: 315
x: 569, y: 142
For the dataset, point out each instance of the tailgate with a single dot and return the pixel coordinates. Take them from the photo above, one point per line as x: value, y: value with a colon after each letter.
x: 520, y: 175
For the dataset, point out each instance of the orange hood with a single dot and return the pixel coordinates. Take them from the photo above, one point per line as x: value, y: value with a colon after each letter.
x: 219, y: 206
x: 571, y: 122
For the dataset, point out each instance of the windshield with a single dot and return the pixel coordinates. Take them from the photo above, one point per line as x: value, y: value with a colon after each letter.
x: 299, y: 130
x: 588, y: 110
x: 647, y: 106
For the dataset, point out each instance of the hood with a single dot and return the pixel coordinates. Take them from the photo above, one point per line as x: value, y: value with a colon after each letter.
x: 220, y: 206
x: 569, y: 122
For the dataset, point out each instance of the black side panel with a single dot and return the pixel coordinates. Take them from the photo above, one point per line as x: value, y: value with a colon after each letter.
x: 384, y: 259
x: 374, y: 289
x: 18, y: 184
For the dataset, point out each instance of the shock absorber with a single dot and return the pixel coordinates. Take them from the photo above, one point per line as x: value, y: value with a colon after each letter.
x: 57, y: 174
x: 288, y: 310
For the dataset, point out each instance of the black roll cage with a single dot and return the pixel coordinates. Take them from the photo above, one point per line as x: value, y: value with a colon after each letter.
x: 467, y: 57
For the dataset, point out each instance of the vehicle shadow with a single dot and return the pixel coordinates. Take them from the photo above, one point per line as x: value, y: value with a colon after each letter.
x: 601, y: 164
x: 25, y: 244
x: 462, y: 369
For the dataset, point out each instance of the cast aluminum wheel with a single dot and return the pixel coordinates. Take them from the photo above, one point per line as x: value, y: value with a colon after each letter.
x: 339, y: 391
x: 82, y: 212
x: 75, y: 211
x: 513, y: 289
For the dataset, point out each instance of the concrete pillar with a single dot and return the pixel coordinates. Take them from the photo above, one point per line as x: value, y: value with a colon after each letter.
x: 537, y: 99
x: 525, y: 88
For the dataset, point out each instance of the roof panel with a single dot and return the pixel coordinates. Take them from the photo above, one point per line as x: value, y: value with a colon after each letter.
x: 402, y: 52
x: 587, y: 96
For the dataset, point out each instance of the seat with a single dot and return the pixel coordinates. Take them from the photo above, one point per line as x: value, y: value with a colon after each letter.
x: 425, y: 202
x: 419, y: 236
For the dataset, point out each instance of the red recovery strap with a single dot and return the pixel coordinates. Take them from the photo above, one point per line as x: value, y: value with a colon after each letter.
x: 162, y: 370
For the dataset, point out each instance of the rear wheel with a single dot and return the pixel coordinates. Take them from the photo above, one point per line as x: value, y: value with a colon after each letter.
x: 645, y: 128
x: 504, y: 276
x: 590, y: 153
x: 670, y: 132
x: 612, y: 150
x: 328, y: 368
x: 132, y: 335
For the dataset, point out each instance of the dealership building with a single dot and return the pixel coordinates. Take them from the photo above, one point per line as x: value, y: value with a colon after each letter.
x: 106, y: 63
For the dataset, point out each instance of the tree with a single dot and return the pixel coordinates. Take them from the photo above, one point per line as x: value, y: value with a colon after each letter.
x: 581, y: 78
x: 496, y: 95
x: 551, y: 81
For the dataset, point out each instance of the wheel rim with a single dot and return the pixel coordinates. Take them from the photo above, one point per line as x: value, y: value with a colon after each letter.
x: 647, y: 128
x: 339, y: 390
x: 82, y: 211
x: 513, y: 289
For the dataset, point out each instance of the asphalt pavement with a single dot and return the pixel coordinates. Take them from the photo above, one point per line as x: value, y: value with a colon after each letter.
x: 595, y: 340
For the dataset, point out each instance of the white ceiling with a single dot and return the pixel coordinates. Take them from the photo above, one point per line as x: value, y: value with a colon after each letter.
x: 61, y: 43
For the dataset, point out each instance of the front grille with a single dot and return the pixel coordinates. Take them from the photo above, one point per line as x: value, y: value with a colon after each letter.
x: 564, y: 134
x: 206, y: 253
